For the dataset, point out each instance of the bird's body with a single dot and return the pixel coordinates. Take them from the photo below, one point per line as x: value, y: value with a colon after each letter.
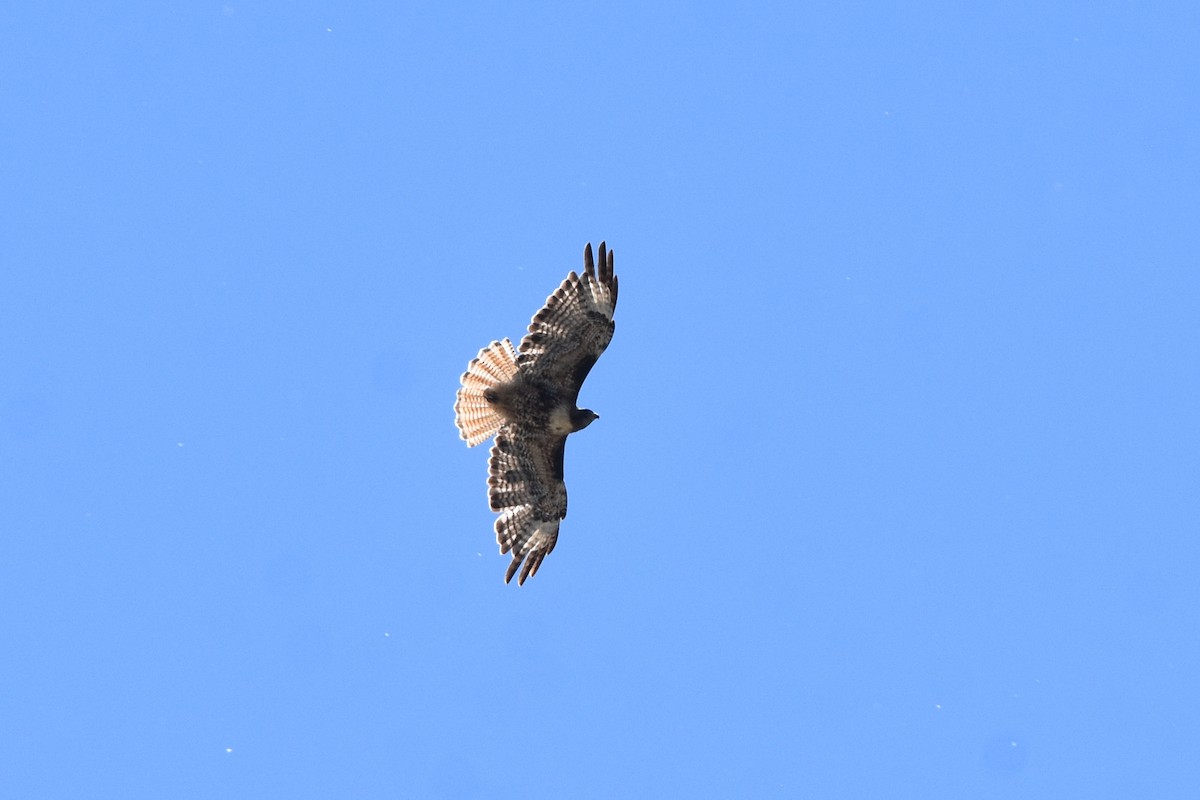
x: 527, y: 400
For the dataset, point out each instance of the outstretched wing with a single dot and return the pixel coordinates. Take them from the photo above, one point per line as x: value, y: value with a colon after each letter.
x: 573, y: 328
x: 525, y: 485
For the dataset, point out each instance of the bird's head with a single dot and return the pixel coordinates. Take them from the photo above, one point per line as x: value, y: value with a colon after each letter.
x: 582, y: 417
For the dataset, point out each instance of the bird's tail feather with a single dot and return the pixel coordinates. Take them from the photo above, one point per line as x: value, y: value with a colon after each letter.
x: 473, y: 414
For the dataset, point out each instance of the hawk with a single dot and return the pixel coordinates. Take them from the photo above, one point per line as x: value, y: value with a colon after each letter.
x: 526, y: 399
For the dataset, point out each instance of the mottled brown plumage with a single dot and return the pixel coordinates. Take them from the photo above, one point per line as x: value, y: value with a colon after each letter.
x: 527, y: 400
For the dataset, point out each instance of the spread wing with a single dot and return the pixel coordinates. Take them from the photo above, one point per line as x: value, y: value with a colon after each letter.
x: 571, y: 331
x: 525, y: 485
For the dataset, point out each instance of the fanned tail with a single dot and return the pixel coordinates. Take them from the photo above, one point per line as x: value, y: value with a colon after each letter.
x: 473, y: 414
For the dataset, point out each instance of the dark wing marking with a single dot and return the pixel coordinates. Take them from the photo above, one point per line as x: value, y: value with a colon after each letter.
x: 525, y: 486
x: 571, y: 331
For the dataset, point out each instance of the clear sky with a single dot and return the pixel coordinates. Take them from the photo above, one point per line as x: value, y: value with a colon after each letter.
x: 896, y: 487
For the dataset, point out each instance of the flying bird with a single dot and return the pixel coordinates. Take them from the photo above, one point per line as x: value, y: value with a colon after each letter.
x: 526, y: 399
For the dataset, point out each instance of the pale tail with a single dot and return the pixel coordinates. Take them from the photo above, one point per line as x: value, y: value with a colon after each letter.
x: 473, y: 415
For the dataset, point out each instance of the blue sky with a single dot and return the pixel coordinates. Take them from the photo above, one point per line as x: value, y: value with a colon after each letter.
x: 894, y: 490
